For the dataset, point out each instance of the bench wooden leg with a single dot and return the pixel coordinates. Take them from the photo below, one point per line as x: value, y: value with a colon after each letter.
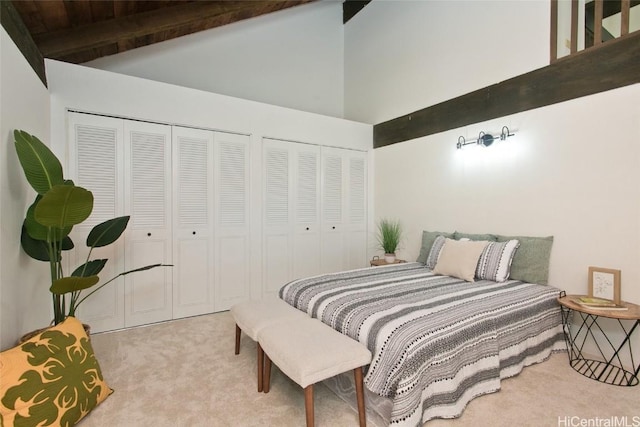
x: 308, y: 405
x: 238, y: 331
x: 267, y: 373
x: 362, y: 415
x: 260, y: 367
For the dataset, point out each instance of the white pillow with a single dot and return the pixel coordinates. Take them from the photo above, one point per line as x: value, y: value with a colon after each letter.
x: 459, y: 258
x: 495, y: 261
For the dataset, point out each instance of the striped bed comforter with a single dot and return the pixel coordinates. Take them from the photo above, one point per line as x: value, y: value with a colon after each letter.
x: 437, y: 341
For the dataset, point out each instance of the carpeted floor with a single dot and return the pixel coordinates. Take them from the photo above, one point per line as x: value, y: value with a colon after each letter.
x: 184, y: 373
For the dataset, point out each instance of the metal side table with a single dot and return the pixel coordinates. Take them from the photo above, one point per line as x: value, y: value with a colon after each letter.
x: 609, y: 369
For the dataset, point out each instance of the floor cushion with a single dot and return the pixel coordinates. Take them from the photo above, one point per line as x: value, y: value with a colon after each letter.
x: 52, y: 379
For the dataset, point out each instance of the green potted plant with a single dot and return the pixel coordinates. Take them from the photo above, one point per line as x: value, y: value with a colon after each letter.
x: 389, y: 236
x: 58, y: 206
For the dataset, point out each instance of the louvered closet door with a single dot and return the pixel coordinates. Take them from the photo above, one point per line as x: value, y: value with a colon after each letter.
x: 333, y: 186
x: 356, y: 227
x: 148, y: 201
x: 232, y: 281
x: 306, y: 207
x: 277, y: 211
x: 193, y: 237
x: 96, y: 163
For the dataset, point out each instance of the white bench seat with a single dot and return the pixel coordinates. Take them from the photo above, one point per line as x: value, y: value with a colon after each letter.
x: 308, y: 351
x: 252, y: 316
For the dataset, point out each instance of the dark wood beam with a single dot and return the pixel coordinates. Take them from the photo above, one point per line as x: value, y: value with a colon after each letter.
x: 609, y: 66
x: 16, y: 29
x: 351, y: 7
x: 176, y: 20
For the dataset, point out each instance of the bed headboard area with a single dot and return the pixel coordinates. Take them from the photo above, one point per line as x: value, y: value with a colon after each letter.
x: 529, y: 262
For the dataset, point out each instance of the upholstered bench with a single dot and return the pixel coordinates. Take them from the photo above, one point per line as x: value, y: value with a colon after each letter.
x: 308, y: 351
x: 252, y: 316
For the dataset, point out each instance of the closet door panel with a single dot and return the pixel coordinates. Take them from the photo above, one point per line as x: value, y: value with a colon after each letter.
x: 233, y: 275
x: 148, y: 200
x: 277, y: 215
x: 306, y: 228
x: 233, y: 259
x: 148, y: 298
x: 192, y: 282
x: 95, y: 163
x: 193, y: 230
x: 277, y: 262
x: 306, y: 254
x: 356, y: 227
x: 333, y: 187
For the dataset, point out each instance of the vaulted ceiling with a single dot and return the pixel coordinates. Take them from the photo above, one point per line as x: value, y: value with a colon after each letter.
x: 82, y: 30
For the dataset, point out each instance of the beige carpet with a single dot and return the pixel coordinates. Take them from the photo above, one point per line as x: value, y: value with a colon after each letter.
x: 184, y: 373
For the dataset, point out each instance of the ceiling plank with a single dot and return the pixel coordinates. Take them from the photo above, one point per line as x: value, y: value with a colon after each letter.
x: 176, y: 20
x: 609, y: 66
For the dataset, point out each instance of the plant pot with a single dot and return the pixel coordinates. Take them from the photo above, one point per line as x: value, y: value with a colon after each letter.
x: 32, y: 334
x: 390, y: 258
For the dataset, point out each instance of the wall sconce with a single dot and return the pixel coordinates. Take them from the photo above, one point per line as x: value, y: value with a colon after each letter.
x: 485, y: 139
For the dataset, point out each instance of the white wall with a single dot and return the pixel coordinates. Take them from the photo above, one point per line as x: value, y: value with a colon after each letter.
x: 91, y: 90
x: 571, y: 171
x: 25, y: 301
x: 291, y: 58
x: 564, y: 174
x: 402, y: 56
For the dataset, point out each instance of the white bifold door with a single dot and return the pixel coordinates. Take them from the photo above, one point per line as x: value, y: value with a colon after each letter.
x: 147, y: 198
x: 211, y: 228
x: 193, y: 243
x: 96, y: 162
x: 344, y: 209
x: 127, y: 166
x: 187, y: 193
x: 314, y: 218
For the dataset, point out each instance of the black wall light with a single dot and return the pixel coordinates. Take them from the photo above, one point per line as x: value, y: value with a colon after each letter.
x: 485, y: 139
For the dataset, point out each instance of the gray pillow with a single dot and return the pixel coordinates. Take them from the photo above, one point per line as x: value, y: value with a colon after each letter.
x: 488, y: 237
x: 427, y: 241
x: 531, y: 261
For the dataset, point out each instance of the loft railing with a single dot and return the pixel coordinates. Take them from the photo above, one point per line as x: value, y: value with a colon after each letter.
x: 582, y: 24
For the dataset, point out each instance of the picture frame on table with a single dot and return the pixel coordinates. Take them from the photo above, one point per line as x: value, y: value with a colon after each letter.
x: 604, y: 283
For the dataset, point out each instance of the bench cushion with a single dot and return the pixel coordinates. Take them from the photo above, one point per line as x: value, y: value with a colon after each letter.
x: 252, y: 316
x: 309, y: 351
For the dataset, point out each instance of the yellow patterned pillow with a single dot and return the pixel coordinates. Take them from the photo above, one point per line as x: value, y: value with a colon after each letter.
x: 52, y: 379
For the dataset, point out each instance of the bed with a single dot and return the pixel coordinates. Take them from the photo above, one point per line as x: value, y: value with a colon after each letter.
x: 437, y: 341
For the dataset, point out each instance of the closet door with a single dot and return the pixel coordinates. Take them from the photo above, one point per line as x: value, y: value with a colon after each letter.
x: 232, y: 219
x: 333, y: 188
x: 193, y: 230
x: 277, y: 215
x: 148, y: 201
x: 356, y: 202
x: 306, y: 207
x: 96, y: 163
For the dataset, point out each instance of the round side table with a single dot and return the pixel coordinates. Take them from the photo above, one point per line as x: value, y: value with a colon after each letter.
x: 608, y: 368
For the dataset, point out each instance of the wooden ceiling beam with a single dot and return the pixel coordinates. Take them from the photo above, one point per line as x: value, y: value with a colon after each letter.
x: 15, y: 28
x: 179, y: 20
x: 608, y: 66
x: 351, y: 7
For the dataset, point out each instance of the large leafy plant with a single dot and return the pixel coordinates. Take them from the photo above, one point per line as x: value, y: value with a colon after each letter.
x: 58, y: 206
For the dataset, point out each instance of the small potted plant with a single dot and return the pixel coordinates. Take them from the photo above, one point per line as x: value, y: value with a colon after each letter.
x: 389, y: 236
x: 58, y: 206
